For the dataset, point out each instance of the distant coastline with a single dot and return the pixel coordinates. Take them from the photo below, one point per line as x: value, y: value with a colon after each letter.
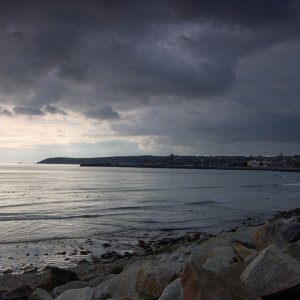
x: 258, y: 163
x: 194, y: 167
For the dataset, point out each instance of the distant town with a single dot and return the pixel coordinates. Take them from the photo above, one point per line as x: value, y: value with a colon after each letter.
x: 280, y: 162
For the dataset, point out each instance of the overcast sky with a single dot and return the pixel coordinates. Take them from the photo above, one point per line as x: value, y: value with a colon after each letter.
x: 101, y: 78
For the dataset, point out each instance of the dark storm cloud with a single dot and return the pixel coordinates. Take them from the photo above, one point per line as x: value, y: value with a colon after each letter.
x: 103, y: 113
x: 246, y: 13
x: 5, y: 112
x: 53, y: 110
x: 131, y: 46
x: 28, y: 111
x: 90, y: 56
x: 35, y: 111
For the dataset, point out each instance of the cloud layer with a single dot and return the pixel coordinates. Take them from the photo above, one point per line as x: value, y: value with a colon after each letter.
x: 195, y: 76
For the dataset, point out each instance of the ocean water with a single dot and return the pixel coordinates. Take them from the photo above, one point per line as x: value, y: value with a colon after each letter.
x: 65, y: 202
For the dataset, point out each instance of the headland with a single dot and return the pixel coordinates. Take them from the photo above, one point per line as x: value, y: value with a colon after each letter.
x: 273, y: 163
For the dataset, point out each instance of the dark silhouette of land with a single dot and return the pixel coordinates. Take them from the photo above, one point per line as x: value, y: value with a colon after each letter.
x: 275, y: 163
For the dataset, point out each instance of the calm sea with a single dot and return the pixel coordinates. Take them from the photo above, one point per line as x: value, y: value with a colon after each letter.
x: 60, y: 202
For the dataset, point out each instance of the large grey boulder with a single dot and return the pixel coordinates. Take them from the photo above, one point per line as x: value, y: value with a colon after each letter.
x: 290, y: 230
x: 173, y: 261
x: 200, y: 255
x: 149, y: 278
x: 215, y: 264
x: 40, y: 294
x: 242, y: 236
x: 99, y: 279
x: 233, y: 271
x: 69, y: 286
x: 243, y: 252
x: 86, y: 293
x: 103, y: 292
x: 268, y: 234
x: 121, y: 285
x: 20, y: 293
x: 293, y: 250
x: 224, y: 252
x: 280, y: 233
x: 193, y: 247
x: 177, y: 258
x: 173, y: 257
x: 199, y: 283
x: 218, y: 258
x: 272, y: 272
x: 152, y: 280
x: 174, y: 291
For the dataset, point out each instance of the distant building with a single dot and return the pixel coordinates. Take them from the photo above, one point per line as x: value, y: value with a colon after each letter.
x: 254, y: 163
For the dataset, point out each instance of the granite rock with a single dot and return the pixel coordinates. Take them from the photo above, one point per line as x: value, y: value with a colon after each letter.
x: 20, y: 293
x: 68, y: 286
x: 243, y: 236
x: 243, y: 252
x: 233, y: 271
x: 40, y: 294
x: 200, y: 254
x: 272, y: 272
x: 152, y: 280
x: 268, y: 234
x: 215, y: 264
x: 174, y: 291
x: 121, y: 285
x: 201, y: 284
x: 86, y: 293
x: 290, y: 230
x: 293, y: 250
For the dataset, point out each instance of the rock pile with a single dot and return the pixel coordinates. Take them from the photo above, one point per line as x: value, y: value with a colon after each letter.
x: 248, y: 263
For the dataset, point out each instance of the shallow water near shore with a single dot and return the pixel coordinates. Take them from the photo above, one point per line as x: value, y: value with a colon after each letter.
x: 45, y: 209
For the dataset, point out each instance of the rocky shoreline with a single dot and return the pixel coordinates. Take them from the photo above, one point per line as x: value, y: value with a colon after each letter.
x: 248, y: 262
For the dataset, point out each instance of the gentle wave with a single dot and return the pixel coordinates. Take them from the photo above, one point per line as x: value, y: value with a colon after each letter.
x: 258, y: 185
x: 28, y: 217
x: 48, y: 239
x: 187, y: 228
x: 202, y: 202
x: 28, y: 204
